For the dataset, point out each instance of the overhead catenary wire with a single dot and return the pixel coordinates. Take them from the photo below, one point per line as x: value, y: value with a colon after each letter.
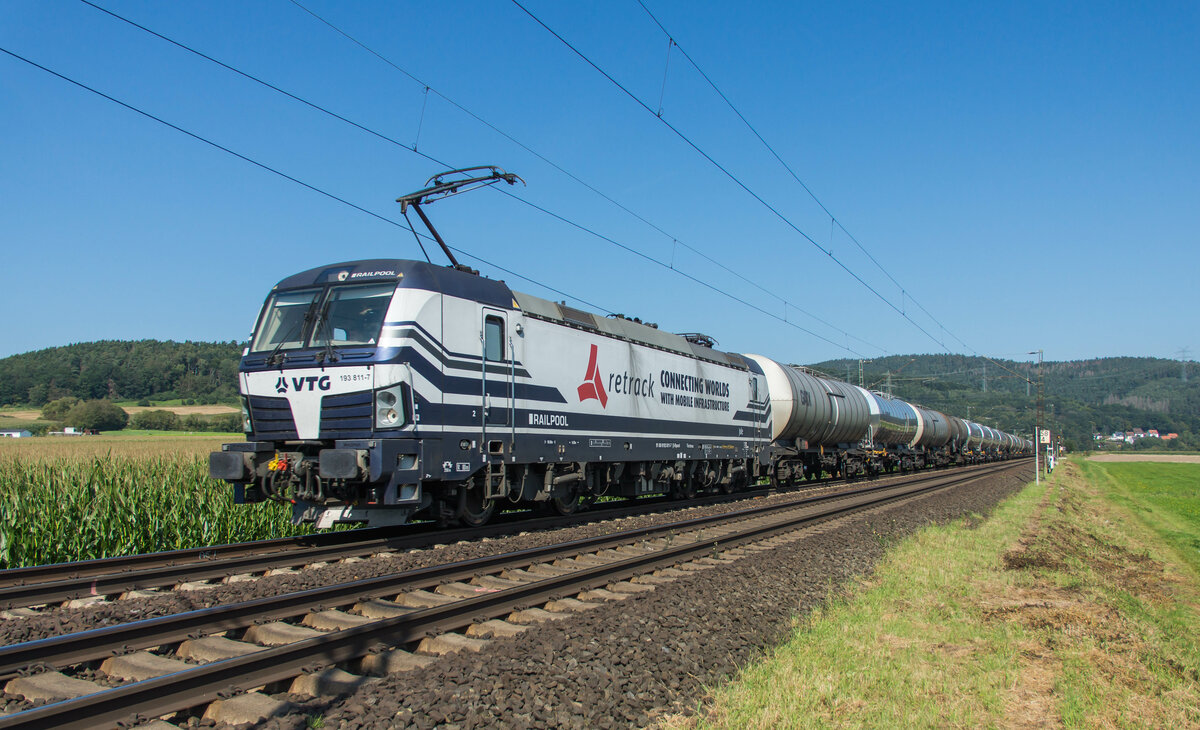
x: 385, y: 219
x: 675, y: 240
x: 579, y: 226
x: 832, y: 218
x: 724, y: 170
x: 288, y: 177
x: 701, y: 282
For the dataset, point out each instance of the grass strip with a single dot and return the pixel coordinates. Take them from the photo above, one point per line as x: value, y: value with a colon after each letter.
x: 1060, y: 609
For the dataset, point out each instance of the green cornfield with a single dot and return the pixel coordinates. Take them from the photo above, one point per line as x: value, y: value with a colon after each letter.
x: 70, y: 503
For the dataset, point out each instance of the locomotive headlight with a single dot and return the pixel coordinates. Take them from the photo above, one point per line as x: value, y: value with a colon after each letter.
x: 246, y: 425
x: 391, y: 407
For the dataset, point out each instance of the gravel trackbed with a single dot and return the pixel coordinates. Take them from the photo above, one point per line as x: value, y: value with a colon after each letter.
x: 626, y: 663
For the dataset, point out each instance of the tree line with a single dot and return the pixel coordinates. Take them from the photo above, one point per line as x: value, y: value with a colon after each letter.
x: 122, y: 370
x: 1083, y: 397
x: 104, y: 415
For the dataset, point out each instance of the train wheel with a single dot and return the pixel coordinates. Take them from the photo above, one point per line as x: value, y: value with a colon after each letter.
x: 565, y: 506
x: 473, y: 509
x: 738, y: 482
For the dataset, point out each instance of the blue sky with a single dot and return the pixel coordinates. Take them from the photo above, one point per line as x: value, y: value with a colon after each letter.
x: 1027, y: 172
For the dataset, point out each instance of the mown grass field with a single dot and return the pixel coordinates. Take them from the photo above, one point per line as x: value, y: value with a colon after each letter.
x: 1166, y: 497
x: 74, y: 498
x: 1074, y: 604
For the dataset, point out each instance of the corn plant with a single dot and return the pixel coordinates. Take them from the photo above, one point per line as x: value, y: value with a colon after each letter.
x: 56, y: 508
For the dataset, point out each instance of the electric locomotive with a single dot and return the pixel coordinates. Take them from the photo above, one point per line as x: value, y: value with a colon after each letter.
x: 374, y: 390
x: 382, y: 390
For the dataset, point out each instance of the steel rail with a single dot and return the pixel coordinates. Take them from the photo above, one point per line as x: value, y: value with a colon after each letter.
x: 60, y: 582
x: 67, y: 649
x: 187, y: 688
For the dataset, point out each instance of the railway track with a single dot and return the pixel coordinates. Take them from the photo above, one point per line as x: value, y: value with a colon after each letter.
x: 291, y: 641
x: 96, y: 579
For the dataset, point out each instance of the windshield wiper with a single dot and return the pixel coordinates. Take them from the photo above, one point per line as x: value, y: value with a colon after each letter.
x: 324, y: 330
x: 302, y: 325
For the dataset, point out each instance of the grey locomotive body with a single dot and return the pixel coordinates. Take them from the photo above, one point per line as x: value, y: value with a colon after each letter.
x: 453, y: 394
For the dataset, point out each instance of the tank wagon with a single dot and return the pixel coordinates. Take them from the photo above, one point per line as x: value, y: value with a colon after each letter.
x: 379, y: 390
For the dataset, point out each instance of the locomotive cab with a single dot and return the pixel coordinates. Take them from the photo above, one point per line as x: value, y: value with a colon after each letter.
x: 328, y: 402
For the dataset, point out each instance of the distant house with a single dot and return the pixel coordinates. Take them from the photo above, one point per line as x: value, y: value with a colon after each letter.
x: 1152, y: 433
x: 72, y: 431
x: 1139, y: 433
x: 16, y: 434
x: 1170, y: 436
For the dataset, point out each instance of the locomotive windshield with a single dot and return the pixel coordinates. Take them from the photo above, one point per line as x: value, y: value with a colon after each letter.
x: 285, y: 322
x: 337, y: 315
x: 353, y: 315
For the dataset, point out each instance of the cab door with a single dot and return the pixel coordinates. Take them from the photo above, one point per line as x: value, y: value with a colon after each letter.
x: 496, y: 375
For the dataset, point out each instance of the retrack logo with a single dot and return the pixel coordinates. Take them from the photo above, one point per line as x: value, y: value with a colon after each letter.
x: 593, y: 384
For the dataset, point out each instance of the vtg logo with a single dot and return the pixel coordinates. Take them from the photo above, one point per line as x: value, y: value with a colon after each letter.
x: 312, y: 381
x: 593, y: 384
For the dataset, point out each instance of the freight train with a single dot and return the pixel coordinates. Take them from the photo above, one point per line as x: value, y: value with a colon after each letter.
x: 383, y: 391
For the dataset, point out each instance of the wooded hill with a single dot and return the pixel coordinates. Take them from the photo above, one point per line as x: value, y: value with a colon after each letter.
x: 119, y: 370
x: 1105, y: 395
x: 1082, y: 396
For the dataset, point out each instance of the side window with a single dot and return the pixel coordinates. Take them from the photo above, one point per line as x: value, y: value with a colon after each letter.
x: 493, y: 339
